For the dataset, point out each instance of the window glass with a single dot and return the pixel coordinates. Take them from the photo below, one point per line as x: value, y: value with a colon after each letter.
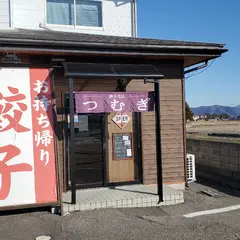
x: 60, y: 12
x: 89, y: 13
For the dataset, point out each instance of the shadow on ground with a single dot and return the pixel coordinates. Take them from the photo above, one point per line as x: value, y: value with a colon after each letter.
x: 220, y: 183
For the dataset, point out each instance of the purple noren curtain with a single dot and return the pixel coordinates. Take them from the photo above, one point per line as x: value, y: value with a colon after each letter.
x: 99, y: 102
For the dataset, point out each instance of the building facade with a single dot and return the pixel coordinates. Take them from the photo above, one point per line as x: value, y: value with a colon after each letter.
x: 94, y: 16
x: 60, y: 50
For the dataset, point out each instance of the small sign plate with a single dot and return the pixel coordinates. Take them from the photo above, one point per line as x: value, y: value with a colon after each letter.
x: 121, y: 119
x: 122, y: 146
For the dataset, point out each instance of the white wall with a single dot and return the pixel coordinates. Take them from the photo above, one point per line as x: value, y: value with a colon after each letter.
x: 4, y: 14
x: 117, y: 17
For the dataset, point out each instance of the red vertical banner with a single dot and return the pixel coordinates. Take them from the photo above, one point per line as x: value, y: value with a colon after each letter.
x: 43, y: 136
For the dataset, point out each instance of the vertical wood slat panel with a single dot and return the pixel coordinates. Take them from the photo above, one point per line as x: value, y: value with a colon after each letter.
x: 172, y: 132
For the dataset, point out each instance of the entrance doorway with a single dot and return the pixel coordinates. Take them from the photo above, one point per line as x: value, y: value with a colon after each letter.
x: 121, y: 167
x: 95, y: 138
x: 89, y: 150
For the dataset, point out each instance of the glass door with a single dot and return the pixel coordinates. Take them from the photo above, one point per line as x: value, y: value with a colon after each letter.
x: 88, y: 149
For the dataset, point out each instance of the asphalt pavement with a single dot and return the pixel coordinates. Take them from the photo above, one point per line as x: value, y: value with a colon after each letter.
x: 168, y: 222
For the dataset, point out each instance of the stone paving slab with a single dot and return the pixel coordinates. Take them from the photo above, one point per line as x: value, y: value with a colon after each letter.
x: 121, y: 197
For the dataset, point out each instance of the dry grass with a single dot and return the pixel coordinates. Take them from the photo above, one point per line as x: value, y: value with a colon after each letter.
x: 214, y: 127
x: 205, y: 137
x: 200, y: 130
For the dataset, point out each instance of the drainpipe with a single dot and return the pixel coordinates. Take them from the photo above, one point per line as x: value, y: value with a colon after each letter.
x: 135, y: 18
x: 184, y: 130
x: 10, y: 6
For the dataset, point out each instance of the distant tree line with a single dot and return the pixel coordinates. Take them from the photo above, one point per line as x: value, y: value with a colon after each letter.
x: 207, y: 116
x: 189, y: 113
x: 217, y: 116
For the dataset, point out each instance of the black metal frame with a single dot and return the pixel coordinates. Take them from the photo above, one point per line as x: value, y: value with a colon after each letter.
x: 117, y: 184
x: 72, y: 144
x: 156, y: 82
x: 158, y: 140
x: 66, y: 152
x: 138, y: 147
x: 104, y: 151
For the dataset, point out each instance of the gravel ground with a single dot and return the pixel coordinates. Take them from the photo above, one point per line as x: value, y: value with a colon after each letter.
x: 145, y: 223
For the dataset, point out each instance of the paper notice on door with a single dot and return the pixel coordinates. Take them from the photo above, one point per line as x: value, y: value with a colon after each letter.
x: 129, y: 152
x: 128, y: 142
x: 125, y: 138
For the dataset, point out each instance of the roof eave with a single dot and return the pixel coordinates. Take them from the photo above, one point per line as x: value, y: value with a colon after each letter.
x: 28, y: 42
x: 76, y: 48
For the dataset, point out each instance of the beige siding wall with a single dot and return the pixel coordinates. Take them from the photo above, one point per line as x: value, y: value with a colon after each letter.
x: 171, y: 100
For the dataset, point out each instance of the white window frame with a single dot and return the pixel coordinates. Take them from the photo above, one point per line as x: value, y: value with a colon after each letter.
x: 75, y: 16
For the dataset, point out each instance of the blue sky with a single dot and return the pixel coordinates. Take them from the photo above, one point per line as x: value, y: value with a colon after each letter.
x: 208, y: 21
